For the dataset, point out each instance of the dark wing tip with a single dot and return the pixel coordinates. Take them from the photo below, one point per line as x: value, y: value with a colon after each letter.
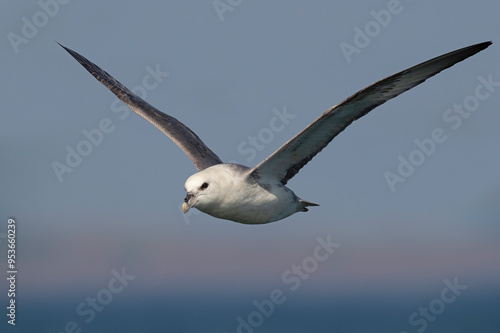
x: 479, y: 46
x: 70, y: 51
x: 472, y: 49
x: 81, y: 59
x: 104, y: 77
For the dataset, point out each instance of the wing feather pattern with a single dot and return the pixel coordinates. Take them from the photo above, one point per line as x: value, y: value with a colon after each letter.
x: 201, y: 156
x: 286, y: 162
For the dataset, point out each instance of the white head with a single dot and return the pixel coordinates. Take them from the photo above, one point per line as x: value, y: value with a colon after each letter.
x: 205, y: 189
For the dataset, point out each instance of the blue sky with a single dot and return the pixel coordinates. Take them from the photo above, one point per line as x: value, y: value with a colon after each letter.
x: 227, y: 75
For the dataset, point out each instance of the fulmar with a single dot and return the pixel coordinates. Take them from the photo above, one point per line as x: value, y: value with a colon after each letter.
x: 259, y: 194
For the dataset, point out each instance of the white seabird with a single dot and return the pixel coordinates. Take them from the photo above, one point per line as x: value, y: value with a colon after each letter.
x: 258, y: 195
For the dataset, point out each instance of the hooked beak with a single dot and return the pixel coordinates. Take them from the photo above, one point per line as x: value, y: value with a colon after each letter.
x: 189, y: 201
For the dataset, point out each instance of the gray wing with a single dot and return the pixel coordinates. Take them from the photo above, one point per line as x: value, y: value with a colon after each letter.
x: 190, y: 143
x: 286, y: 162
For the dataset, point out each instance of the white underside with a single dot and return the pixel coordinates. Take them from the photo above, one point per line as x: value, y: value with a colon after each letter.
x: 254, y: 205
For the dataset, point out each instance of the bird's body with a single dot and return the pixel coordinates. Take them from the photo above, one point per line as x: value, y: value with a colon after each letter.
x: 259, y: 195
x: 233, y: 195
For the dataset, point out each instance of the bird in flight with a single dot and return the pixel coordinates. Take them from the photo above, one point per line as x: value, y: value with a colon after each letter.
x: 259, y: 194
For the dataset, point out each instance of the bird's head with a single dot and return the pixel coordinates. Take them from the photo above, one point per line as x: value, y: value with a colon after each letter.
x: 203, y: 189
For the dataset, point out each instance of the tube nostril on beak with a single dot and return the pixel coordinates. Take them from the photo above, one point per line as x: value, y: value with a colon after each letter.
x: 188, y: 196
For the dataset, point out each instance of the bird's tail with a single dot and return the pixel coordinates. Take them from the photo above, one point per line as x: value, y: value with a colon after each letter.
x: 303, y: 204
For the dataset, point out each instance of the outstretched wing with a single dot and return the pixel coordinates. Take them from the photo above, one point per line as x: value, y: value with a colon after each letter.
x: 190, y: 143
x: 286, y: 162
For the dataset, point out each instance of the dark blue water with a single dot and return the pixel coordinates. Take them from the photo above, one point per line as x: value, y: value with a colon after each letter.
x: 169, y: 313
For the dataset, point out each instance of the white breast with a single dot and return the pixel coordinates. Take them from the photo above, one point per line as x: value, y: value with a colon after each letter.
x: 244, y: 200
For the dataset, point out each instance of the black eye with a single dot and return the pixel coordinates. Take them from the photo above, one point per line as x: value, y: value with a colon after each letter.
x: 204, y: 186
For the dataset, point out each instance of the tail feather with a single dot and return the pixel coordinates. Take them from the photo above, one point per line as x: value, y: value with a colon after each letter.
x: 303, y: 204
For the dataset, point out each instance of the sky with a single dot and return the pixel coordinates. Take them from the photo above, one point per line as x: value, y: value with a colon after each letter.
x: 409, y: 195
